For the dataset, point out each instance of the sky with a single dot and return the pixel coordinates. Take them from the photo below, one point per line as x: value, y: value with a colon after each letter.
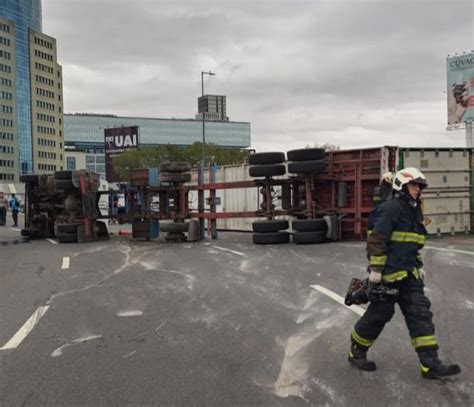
x: 350, y: 73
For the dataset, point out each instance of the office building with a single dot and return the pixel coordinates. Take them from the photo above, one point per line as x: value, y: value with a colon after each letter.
x: 213, y: 107
x: 31, y: 105
x: 85, y: 132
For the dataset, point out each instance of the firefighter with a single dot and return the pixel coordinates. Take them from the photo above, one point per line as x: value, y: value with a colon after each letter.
x: 393, y: 246
x: 384, y: 191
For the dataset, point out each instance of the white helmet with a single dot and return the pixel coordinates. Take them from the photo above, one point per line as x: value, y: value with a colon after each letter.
x: 388, y: 177
x: 407, y: 175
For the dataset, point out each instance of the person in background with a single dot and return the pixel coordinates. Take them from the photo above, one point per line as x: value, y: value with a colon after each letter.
x: 15, y: 205
x: 3, y: 209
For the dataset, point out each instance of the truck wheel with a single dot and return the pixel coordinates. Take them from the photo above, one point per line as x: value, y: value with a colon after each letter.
x: 269, y: 170
x: 67, y: 238
x: 271, y: 238
x: 266, y: 158
x: 307, y: 167
x: 174, y: 167
x: 309, y: 237
x: 174, y: 227
x: 179, y: 177
x: 306, y: 154
x: 309, y: 225
x: 269, y: 226
x: 30, y: 232
x: 63, y: 175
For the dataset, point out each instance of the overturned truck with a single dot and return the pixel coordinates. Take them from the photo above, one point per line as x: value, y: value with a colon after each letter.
x: 63, y: 205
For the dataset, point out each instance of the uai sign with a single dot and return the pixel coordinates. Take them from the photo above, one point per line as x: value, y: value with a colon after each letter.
x: 117, y: 140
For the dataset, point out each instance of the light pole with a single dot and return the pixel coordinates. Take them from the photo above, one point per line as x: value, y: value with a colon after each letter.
x: 204, y: 118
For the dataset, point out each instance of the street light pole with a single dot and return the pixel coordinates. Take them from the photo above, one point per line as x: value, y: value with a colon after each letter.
x: 204, y: 117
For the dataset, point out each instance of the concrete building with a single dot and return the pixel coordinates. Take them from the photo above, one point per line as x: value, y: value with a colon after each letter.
x: 31, y: 95
x: 213, y: 107
x: 85, y: 133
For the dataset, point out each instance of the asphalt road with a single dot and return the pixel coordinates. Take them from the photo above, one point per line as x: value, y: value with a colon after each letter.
x: 217, y: 323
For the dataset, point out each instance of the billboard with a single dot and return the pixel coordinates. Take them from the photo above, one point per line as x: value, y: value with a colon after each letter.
x: 460, y: 70
x: 117, y: 140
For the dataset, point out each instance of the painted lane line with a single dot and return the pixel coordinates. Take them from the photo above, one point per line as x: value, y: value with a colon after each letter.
x: 339, y: 299
x: 16, y: 229
x: 26, y: 328
x: 66, y: 263
x: 229, y: 250
x: 449, y: 250
x: 52, y: 241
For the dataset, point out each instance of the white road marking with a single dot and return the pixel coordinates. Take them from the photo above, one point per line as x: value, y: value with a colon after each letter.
x: 26, y: 328
x: 339, y: 299
x: 449, y: 250
x: 229, y: 250
x: 52, y: 241
x: 66, y: 263
x: 16, y: 229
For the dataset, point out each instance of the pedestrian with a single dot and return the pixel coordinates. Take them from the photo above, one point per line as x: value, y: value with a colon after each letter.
x: 15, y: 205
x: 393, y: 246
x: 3, y: 209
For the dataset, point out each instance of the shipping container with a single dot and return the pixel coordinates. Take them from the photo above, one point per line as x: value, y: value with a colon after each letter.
x: 447, y: 202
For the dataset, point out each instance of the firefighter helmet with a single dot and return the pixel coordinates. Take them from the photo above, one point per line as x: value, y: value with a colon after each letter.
x: 388, y: 177
x: 409, y: 175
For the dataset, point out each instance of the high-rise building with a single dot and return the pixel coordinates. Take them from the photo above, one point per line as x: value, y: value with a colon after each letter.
x: 31, y: 105
x: 213, y: 107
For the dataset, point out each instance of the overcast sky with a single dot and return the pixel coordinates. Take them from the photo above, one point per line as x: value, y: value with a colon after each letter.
x: 352, y: 73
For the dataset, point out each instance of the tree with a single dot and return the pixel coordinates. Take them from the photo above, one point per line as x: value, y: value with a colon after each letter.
x: 151, y: 157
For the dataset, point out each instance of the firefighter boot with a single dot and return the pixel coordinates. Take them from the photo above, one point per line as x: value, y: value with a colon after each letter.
x: 432, y: 368
x: 358, y: 358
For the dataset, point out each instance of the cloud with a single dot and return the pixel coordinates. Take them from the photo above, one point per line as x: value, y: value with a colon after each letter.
x: 354, y: 73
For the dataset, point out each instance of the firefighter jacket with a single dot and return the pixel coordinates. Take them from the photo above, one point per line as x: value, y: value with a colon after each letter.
x: 397, y: 236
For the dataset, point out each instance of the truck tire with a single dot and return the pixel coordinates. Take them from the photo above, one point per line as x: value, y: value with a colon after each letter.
x: 174, y: 167
x: 174, y: 227
x: 29, y: 179
x: 309, y: 237
x: 64, y: 185
x: 64, y: 228
x: 266, y: 158
x: 269, y: 226
x: 178, y: 177
x: 269, y: 170
x: 271, y: 238
x: 64, y: 175
x: 306, y: 154
x: 307, y: 167
x: 30, y: 232
x: 67, y: 238
x: 175, y: 237
x: 309, y: 225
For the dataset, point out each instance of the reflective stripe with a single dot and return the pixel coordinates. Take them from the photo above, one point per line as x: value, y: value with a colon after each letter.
x: 360, y: 340
x: 424, y: 369
x: 408, y: 237
x: 422, y: 341
x: 416, y: 273
x: 378, y: 260
x: 351, y: 354
x: 397, y: 276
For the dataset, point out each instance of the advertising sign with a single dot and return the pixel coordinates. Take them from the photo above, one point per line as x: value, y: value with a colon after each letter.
x: 460, y: 70
x: 117, y: 140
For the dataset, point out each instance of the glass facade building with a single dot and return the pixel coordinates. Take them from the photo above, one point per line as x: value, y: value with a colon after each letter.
x: 87, y: 131
x: 26, y: 14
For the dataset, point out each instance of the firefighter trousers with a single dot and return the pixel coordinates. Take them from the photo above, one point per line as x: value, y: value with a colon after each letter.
x: 415, y: 307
